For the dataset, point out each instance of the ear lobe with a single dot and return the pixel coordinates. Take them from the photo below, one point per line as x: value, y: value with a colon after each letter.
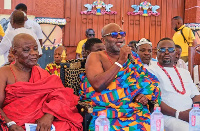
x: 87, y: 52
x: 103, y: 40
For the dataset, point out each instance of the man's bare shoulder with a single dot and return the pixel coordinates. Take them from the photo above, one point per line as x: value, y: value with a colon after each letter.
x: 4, y: 69
x: 4, y: 73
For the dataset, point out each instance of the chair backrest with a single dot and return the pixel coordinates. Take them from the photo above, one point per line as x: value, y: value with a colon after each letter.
x: 70, y: 73
x: 193, y: 59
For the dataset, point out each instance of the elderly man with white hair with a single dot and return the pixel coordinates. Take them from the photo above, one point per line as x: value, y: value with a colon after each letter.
x: 144, y: 50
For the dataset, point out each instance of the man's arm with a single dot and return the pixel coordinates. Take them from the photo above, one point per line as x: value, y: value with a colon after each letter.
x: 194, y: 42
x: 167, y: 110
x: 98, y: 78
x: 196, y: 98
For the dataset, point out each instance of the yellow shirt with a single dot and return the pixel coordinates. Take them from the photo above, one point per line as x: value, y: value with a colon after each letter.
x: 79, y: 47
x: 179, y: 40
x: 1, y: 31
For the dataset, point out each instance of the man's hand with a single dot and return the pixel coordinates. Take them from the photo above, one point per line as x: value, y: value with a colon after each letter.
x: 15, y: 128
x: 124, y: 51
x: 44, y: 123
x: 141, y: 98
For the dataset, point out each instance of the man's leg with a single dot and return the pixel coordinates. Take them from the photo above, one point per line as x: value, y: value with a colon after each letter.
x: 173, y: 124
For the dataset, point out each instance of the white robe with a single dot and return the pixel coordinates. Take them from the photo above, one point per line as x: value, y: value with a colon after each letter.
x: 172, y: 98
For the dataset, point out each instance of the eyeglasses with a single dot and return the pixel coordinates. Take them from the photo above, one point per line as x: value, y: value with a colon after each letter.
x: 163, y: 50
x: 91, y: 34
x: 115, y: 34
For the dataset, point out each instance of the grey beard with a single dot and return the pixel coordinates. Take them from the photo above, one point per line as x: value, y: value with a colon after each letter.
x: 167, y: 62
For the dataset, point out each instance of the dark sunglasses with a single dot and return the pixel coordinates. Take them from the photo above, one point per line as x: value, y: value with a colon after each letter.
x: 91, y: 34
x: 115, y: 34
x: 170, y: 50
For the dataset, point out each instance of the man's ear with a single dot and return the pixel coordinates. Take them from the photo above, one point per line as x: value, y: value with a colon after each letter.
x: 14, y: 52
x: 87, y: 52
x: 103, y: 40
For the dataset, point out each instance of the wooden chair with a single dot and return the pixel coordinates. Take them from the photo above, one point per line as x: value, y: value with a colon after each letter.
x: 69, y: 73
x: 193, y: 59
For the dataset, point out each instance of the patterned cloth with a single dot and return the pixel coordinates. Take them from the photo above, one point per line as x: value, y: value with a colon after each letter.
x: 52, y: 68
x: 117, y: 101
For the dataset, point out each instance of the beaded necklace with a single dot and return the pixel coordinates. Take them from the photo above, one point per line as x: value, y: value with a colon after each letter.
x: 172, y: 83
x: 109, y: 58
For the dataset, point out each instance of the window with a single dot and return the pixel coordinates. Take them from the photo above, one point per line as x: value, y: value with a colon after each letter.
x: 7, y: 4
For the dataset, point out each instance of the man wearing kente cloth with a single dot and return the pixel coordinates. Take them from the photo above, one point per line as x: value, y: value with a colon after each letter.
x: 118, y: 87
x: 29, y: 94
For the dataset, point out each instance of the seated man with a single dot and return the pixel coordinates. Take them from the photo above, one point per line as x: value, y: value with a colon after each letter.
x: 54, y: 68
x: 29, y: 94
x: 132, y: 44
x: 93, y: 45
x: 178, y: 92
x: 116, y: 86
x: 179, y: 62
x: 144, y: 50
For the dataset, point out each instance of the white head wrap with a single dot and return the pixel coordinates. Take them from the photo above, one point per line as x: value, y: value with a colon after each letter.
x: 143, y: 41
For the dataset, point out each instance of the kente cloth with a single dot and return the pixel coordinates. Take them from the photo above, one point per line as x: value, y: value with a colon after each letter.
x: 26, y: 102
x: 53, y: 68
x: 117, y: 100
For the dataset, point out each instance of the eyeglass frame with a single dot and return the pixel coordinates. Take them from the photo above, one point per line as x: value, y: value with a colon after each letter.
x: 118, y: 33
x: 166, y: 50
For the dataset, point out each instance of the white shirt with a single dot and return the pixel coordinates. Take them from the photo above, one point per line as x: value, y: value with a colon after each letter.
x: 181, y: 64
x: 169, y: 94
x: 6, y: 42
x: 152, y: 62
x: 29, y: 24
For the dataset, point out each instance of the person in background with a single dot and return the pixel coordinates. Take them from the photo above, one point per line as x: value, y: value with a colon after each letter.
x: 144, y: 50
x: 89, y: 34
x: 178, y: 92
x: 132, y: 44
x: 29, y: 24
x: 83, y: 53
x: 93, y: 45
x: 182, y: 35
x: 54, y: 68
x: 179, y: 62
x: 17, y: 21
x: 117, y: 87
x: 29, y: 94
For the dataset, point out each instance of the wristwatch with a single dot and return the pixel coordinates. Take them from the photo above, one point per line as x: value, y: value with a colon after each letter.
x: 9, y: 124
